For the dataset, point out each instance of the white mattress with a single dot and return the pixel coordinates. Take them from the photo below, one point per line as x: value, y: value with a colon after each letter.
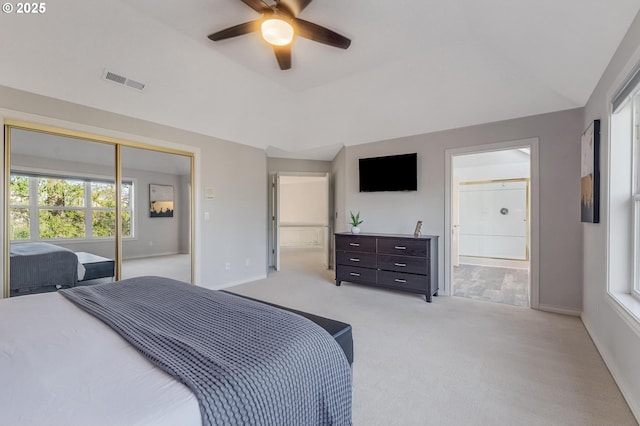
x: 81, y: 271
x: 61, y: 366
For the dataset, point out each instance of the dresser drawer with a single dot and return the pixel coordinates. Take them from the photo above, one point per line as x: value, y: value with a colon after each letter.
x: 403, y: 247
x: 355, y: 243
x: 403, y: 281
x: 355, y: 275
x: 411, y: 265
x: 362, y: 260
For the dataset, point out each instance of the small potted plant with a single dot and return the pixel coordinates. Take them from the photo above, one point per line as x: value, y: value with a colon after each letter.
x: 355, y: 223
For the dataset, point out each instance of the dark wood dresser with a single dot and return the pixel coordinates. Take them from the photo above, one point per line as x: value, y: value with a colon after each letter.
x: 400, y: 262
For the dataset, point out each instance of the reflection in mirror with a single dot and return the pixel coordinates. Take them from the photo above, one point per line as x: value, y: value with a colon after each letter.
x: 61, y: 212
x: 159, y: 240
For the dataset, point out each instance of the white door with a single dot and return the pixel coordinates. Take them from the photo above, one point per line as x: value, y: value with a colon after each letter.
x: 455, y: 218
x: 275, y: 220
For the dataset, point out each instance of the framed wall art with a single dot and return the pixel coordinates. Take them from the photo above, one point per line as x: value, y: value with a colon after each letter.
x: 590, y: 174
x: 160, y: 200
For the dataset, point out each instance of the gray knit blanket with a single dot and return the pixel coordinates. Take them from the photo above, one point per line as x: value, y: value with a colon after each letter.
x: 246, y: 362
x: 41, y: 265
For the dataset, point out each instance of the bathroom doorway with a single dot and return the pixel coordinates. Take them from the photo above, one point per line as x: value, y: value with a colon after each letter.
x: 301, y: 227
x: 490, y: 216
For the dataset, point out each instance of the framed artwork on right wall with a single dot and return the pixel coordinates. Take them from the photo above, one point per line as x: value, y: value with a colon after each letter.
x: 590, y: 174
x: 160, y: 200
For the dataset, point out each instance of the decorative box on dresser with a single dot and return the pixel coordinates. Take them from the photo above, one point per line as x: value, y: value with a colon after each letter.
x: 400, y: 262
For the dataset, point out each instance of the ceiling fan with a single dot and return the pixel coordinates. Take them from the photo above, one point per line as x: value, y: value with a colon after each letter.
x: 279, y: 24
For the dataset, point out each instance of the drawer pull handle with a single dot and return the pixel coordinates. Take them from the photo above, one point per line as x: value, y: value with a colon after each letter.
x: 354, y: 244
x: 354, y: 259
x: 400, y: 248
x: 398, y: 280
x: 400, y: 264
x: 354, y: 274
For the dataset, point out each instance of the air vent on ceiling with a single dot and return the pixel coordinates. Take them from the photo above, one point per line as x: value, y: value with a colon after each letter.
x: 117, y: 78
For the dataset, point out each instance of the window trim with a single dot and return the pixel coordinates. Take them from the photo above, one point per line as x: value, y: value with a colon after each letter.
x: 622, y: 290
x: 634, y: 99
x: 34, y: 207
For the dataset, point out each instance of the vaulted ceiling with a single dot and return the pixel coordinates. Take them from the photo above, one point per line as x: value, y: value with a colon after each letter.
x: 414, y: 66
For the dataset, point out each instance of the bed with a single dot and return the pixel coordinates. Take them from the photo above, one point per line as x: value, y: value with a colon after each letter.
x: 61, y: 365
x: 42, y: 267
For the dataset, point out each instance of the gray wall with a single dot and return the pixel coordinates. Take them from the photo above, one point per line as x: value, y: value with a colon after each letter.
x: 155, y: 236
x: 338, y: 184
x: 339, y: 180
x: 618, y: 343
x: 235, y: 232
x: 560, y: 237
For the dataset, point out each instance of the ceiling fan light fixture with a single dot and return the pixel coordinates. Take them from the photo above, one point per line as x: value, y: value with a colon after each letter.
x: 276, y: 31
x: 278, y: 25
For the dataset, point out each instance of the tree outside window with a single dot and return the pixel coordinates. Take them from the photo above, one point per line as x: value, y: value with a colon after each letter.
x: 61, y: 211
x: 19, y: 228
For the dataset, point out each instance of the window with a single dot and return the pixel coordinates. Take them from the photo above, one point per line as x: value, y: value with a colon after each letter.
x: 623, y: 203
x: 635, y: 135
x: 52, y: 207
x: 624, y: 196
x: 19, y: 210
x: 61, y: 212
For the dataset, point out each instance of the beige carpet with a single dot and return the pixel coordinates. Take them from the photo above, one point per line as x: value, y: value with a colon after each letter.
x: 455, y: 361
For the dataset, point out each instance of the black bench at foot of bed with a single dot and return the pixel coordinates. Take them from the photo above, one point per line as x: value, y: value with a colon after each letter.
x: 96, y: 266
x: 340, y: 331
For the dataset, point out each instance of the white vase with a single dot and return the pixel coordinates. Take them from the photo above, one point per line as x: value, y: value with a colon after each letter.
x: 355, y: 230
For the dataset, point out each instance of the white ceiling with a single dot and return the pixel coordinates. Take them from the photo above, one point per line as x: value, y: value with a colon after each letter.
x: 413, y: 66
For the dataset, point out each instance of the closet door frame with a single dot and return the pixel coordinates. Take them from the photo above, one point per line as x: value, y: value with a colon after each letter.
x: 117, y: 143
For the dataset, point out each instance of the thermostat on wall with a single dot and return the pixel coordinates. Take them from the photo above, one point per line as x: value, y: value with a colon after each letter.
x: 209, y: 193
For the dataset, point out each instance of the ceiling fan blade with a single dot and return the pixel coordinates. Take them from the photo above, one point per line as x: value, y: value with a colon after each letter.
x: 320, y: 34
x: 236, y: 30
x: 283, y: 55
x: 292, y: 7
x: 257, y: 5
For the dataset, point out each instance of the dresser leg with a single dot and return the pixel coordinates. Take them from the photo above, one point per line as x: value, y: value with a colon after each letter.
x: 338, y: 283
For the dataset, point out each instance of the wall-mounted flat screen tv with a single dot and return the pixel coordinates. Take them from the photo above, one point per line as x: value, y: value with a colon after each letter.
x: 391, y: 173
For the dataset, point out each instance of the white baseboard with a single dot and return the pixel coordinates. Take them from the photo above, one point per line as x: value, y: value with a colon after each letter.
x: 617, y: 377
x: 148, y: 256
x: 559, y: 310
x: 234, y: 283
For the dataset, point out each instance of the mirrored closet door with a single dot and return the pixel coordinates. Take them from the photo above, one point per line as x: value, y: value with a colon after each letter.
x: 62, y: 212
x: 158, y: 241
x: 62, y: 206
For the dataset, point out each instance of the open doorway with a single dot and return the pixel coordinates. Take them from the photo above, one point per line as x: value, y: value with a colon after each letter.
x: 490, y: 218
x: 300, y: 217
